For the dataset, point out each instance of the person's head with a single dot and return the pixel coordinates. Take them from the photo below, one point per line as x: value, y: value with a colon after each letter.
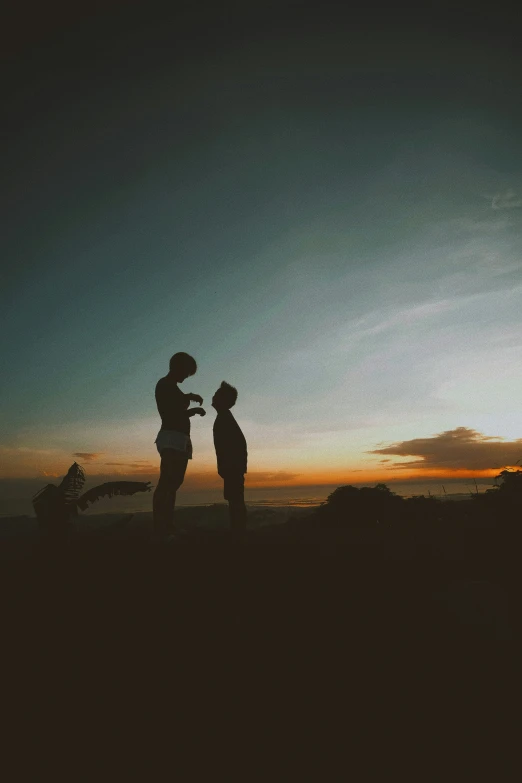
x: 225, y: 397
x: 182, y: 365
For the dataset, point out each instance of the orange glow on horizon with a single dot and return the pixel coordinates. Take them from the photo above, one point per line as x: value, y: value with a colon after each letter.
x: 259, y: 477
x: 376, y: 476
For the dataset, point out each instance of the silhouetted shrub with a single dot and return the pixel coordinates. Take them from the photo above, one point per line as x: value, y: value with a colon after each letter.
x: 502, y: 504
x: 350, y: 505
x: 51, y: 511
x: 423, y: 509
x: 510, y: 484
x: 56, y: 506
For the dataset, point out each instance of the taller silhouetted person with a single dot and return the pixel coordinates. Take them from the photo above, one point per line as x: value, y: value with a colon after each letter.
x: 231, y: 453
x: 173, y: 440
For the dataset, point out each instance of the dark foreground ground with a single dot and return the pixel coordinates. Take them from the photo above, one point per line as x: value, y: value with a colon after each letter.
x: 363, y: 642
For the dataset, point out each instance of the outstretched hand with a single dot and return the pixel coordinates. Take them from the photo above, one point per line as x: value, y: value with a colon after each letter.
x: 196, y: 398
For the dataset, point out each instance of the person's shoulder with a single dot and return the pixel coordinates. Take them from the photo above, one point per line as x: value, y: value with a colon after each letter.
x: 167, y: 383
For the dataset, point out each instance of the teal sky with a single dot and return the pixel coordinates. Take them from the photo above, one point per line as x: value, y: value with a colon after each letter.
x: 328, y: 219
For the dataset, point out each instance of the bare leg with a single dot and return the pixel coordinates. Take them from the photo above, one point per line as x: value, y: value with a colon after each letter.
x: 163, y: 504
x: 172, y: 473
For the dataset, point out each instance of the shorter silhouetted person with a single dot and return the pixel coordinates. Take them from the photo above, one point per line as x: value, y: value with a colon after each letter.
x: 173, y: 440
x: 231, y: 453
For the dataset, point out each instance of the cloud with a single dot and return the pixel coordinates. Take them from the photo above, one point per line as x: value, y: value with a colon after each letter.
x: 145, y: 470
x: 461, y: 448
x: 30, y: 461
x: 506, y: 200
x: 136, y: 463
x: 266, y: 477
x: 408, y: 316
x: 87, y: 456
x: 471, y: 226
x: 14, y: 450
x: 140, y: 466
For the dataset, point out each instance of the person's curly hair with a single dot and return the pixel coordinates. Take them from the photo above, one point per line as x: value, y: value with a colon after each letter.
x: 228, y: 394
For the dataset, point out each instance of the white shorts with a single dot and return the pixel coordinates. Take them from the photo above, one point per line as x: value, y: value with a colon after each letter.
x: 171, y: 439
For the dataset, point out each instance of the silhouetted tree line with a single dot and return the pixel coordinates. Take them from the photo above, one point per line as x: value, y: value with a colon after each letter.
x: 347, y: 506
x: 353, y: 506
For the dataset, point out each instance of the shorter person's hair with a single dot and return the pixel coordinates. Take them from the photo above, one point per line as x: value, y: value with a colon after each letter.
x: 183, y: 361
x: 228, y: 394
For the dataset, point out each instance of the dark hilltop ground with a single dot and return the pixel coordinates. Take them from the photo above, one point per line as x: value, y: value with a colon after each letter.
x: 369, y: 609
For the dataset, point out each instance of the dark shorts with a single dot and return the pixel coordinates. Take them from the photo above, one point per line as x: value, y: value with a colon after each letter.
x: 234, y: 486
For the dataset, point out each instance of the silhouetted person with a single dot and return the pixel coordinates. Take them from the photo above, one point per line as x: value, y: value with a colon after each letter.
x: 231, y: 453
x: 173, y: 441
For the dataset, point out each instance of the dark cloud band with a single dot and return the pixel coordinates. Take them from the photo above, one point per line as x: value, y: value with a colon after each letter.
x: 461, y: 448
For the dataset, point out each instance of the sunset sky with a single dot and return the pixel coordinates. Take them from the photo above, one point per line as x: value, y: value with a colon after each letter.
x: 325, y: 213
